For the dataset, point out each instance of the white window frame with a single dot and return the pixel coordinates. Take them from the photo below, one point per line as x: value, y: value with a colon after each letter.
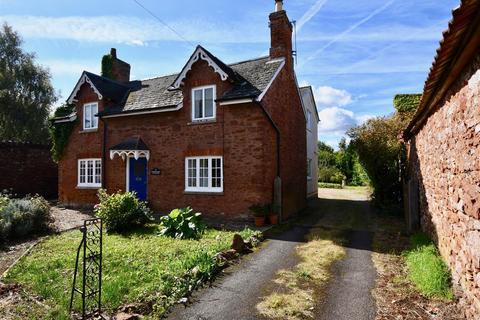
x: 209, y: 188
x: 92, y: 184
x: 214, y: 97
x: 93, y: 119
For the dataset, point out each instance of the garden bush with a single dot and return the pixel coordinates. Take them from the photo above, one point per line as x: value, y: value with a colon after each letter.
x: 122, y: 211
x: 21, y: 217
x: 182, y: 224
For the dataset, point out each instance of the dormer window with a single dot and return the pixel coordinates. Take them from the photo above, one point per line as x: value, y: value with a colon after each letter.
x: 90, y: 120
x: 203, y: 103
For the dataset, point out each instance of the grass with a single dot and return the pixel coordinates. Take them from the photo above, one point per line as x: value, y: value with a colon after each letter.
x: 427, y: 270
x: 296, y: 288
x: 139, y: 267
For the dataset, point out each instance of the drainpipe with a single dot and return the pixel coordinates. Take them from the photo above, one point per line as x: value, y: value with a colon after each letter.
x: 277, y: 185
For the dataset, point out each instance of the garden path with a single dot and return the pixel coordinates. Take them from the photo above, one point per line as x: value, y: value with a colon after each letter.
x: 236, y: 294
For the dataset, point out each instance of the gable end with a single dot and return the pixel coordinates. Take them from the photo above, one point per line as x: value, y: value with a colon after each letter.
x: 84, y: 78
x: 202, y: 54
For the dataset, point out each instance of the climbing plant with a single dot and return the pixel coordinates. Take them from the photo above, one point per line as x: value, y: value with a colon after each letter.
x: 107, y: 66
x: 60, y: 132
x: 406, y: 102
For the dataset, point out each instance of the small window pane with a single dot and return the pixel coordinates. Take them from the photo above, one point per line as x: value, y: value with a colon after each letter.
x: 192, y: 173
x: 204, y: 173
x: 82, y: 171
x: 198, y: 96
x: 87, y: 117
x: 98, y: 172
x: 89, y: 171
x: 209, y: 102
x: 216, y: 173
x: 94, y: 118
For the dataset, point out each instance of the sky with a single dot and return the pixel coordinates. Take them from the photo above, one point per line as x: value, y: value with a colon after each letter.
x: 356, y: 54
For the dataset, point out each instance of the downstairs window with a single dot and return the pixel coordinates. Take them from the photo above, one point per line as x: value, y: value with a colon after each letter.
x: 204, y: 174
x: 90, y: 173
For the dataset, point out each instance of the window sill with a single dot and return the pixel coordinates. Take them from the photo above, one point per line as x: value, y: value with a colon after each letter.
x: 195, y: 122
x: 204, y: 193
x: 88, y: 130
x: 87, y: 187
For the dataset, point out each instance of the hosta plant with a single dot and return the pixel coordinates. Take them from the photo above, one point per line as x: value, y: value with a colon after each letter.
x: 182, y: 224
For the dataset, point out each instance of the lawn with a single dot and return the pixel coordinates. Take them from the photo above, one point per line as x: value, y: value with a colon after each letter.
x: 139, y: 267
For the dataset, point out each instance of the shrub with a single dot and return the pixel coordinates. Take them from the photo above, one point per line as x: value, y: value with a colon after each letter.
x: 21, y: 217
x: 182, y: 224
x: 328, y: 185
x: 426, y: 268
x: 122, y: 211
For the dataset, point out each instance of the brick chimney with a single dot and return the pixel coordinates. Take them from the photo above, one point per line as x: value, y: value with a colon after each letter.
x: 280, y: 34
x: 120, y: 69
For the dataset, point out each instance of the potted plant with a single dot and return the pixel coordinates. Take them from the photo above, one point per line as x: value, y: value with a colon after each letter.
x: 259, y: 214
x: 272, y: 214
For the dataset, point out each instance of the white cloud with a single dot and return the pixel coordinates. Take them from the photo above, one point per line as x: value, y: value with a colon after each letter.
x: 70, y: 67
x: 129, y: 30
x: 330, y: 97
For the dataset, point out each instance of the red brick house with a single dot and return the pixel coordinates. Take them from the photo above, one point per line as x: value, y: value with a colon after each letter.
x: 443, y: 142
x: 216, y: 137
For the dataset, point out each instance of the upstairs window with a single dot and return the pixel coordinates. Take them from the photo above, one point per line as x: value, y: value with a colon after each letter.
x: 203, y: 103
x: 90, y: 173
x: 90, y: 121
x: 204, y: 174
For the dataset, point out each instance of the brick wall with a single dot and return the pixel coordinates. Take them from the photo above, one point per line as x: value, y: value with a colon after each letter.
x: 28, y: 169
x: 447, y: 166
x: 283, y: 103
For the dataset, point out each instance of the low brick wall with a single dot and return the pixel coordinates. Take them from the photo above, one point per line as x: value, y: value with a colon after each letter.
x: 28, y: 169
x: 446, y: 164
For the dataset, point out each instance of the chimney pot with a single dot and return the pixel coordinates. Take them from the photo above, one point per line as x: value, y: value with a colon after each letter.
x: 113, y: 52
x: 278, y: 5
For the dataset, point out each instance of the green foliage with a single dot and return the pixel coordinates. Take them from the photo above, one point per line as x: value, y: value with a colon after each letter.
x: 107, y: 66
x: 121, y: 211
x: 60, y: 132
x: 26, y: 93
x: 329, y: 185
x: 182, y: 224
x: 335, y: 166
x: 139, y: 268
x: 22, y: 217
x: 380, y: 153
x: 427, y: 270
x: 406, y: 102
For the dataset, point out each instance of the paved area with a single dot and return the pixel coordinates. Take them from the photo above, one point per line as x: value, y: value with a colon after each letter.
x: 235, y: 294
x: 348, y: 295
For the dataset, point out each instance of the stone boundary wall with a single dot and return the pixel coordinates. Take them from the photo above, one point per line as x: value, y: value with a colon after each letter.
x: 27, y: 168
x: 446, y: 165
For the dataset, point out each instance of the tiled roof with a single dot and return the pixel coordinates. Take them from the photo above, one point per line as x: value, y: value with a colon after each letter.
x: 134, y: 143
x: 251, y: 79
x: 113, y: 90
x: 461, y: 30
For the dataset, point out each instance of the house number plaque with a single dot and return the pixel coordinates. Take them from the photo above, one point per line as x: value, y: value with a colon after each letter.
x: 155, y: 172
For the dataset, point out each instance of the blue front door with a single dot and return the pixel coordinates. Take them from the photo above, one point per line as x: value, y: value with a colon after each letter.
x: 138, y: 177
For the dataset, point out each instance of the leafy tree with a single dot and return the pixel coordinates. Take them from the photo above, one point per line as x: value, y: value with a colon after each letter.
x: 380, y: 151
x: 26, y: 93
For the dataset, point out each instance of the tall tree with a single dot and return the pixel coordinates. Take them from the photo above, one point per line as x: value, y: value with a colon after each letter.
x: 26, y: 94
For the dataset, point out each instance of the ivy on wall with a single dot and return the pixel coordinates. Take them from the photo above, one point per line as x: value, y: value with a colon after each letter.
x: 406, y: 102
x: 60, y: 132
x: 107, y: 66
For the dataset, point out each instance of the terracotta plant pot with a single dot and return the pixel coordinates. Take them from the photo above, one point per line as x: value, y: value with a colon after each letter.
x: 273, y: 218
x: 259, y: 221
